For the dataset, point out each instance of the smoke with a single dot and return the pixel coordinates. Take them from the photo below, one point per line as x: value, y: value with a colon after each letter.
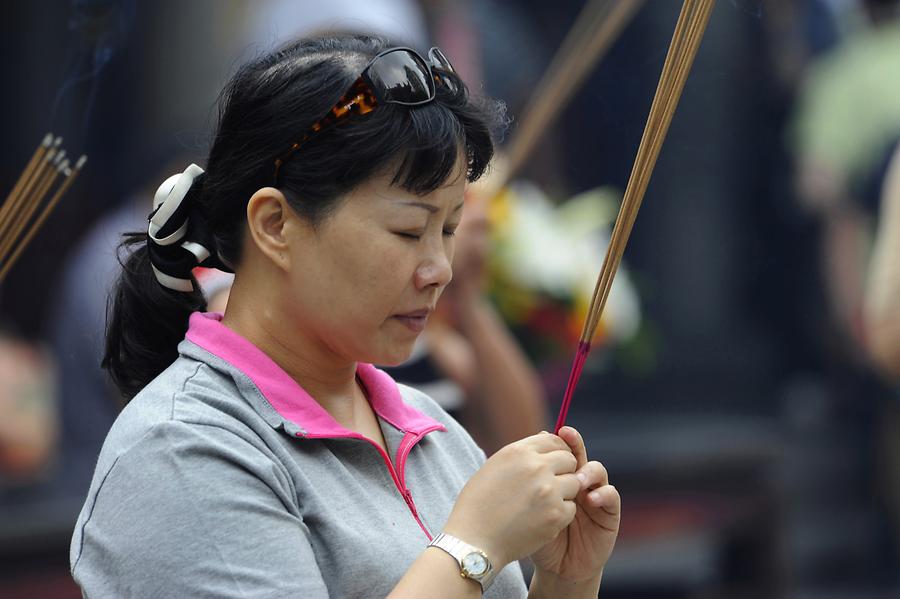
x: 97, y: 28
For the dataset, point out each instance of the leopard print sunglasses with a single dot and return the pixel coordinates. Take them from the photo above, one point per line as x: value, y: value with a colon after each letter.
x: 396, y: 76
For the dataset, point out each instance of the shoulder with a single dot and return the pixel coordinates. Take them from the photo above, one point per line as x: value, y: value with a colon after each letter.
x: 189, y: 509
x: 159, y: 476
x: 190, y: 393
x: 191, y: 418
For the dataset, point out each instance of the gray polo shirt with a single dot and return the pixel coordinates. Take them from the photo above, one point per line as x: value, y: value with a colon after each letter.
x: 224, y: 478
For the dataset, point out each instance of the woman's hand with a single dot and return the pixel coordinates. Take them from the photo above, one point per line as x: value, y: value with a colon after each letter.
x: 581, y: 549
x: 519, y: 500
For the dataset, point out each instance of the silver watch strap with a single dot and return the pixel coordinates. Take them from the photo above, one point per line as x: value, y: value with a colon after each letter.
x: 459, y: 549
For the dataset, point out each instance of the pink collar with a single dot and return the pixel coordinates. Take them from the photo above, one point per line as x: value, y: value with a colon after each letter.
x: 288, y: 398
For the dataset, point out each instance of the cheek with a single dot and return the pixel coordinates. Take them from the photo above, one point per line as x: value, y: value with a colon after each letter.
x: 366, y: 278
x: 384, y: 270
x: 373, y: 282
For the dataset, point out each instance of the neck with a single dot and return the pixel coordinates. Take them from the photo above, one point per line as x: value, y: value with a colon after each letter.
x: 328, y: 378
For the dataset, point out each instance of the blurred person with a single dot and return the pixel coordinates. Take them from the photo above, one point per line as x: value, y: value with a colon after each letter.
x: 882, y: 308
x: 882, y: 325
x: 256, y: 456
x: 846, y: 121
x: 847, y: 117
x: 27, y: 421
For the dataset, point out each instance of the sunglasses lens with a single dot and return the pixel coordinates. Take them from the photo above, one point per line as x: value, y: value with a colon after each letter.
x: 438, y: 59
x: 442, y: 66
x: 401, y: 77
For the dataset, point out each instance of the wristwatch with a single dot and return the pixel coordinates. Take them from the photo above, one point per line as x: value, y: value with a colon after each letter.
x: 473, y: 562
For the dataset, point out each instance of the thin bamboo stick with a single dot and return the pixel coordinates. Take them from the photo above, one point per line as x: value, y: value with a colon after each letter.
x: 26, y: 174
x: 70, y: 175
x: 12, y: 206
x: 29, y: 205
x: 683, y: 48
x: 636, y: 178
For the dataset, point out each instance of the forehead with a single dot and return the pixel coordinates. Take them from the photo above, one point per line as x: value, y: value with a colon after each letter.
x: 378, y: 193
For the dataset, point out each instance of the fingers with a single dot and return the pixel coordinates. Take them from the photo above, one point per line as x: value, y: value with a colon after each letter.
x: 544, y: 442
x: 607, y: 498
x: 592, y: 475
x: 569, y: 486
x: 573, y: 440
x: 599, y: 494
x: 561, y: 461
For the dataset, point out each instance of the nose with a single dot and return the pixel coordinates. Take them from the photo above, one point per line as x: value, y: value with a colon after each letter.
x: 435, y: 269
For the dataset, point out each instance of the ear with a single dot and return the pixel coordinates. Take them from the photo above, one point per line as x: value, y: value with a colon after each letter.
x: 270, y: 220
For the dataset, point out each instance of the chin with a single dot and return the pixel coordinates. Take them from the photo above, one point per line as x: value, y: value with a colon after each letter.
x: 396, y: 354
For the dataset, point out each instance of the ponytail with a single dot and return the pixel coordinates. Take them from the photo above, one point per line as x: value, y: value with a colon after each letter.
x: 146, y: 320
x: 157, y: 292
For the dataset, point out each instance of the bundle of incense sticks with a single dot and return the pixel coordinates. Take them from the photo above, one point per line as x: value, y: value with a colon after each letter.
x: 682, y: 50
x: 27, y: 206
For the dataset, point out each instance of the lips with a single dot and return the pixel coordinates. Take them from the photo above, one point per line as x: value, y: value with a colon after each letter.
x: 423, y: 313
x: 415, y: 320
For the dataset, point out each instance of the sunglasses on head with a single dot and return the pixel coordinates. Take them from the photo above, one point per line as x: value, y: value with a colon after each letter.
x: 395, y: 76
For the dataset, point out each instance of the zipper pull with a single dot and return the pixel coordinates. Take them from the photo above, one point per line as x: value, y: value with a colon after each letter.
x: 407, y: 495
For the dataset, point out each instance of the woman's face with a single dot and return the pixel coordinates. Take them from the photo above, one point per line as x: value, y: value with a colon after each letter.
x: 368, y: 276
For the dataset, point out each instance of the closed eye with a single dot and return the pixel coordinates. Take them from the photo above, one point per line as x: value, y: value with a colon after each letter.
x: 417, y: 236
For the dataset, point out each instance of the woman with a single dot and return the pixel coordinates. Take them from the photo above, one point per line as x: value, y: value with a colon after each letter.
x: 261, y: 454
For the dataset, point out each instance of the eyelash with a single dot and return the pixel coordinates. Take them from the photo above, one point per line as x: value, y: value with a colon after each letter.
x: 415, y: 237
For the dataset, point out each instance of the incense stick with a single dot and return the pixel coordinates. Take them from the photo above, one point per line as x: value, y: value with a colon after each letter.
x: 30, y: 205
x: 669, y: 92
x: 70, y: 175
x: 647, y: 151
x: 14, y: 202
x: 22, y: 204
x: 686, y: 40
x: 26, y: 174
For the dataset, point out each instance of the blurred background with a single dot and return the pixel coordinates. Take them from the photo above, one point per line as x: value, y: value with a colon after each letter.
x: 735, y: 392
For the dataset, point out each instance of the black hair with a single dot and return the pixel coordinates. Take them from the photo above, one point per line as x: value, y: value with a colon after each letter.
x: 267, y: 106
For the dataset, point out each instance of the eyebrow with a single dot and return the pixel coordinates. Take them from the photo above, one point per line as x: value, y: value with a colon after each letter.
x: 430, y: 207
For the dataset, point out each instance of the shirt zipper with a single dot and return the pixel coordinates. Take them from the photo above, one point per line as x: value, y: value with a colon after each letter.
x: 403, y: 451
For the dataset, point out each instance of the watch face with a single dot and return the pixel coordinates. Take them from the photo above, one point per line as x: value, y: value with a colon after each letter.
x: 475, y: 565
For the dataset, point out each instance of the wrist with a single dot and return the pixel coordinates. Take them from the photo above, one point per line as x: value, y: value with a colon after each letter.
x: 498, y: 558
x: 473, y: 562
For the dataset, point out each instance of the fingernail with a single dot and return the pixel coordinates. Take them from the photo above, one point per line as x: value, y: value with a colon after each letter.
x: 595, y: 496
x: 581, y: 476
